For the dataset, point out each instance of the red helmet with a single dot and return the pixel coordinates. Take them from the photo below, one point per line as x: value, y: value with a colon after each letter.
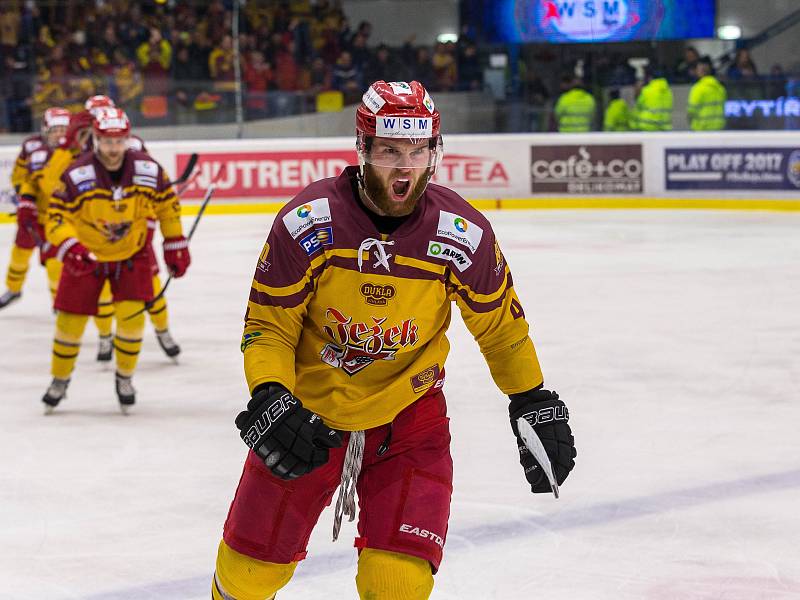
x: 55, y: 117
x: 397, y: 109
x: 99, y: 101
x: 111, y: 122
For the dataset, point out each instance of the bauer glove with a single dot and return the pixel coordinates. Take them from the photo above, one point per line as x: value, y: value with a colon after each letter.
x: 290, y: 439
x: 548, y: 416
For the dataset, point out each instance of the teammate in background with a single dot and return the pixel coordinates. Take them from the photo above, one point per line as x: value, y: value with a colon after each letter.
x: 344, y: 345
x: 98, y: 221
x: 707, y: 98
x: 159, y: 315
x: 575, y: 109
x: 36, y: 150
x: 617, y: 115
x: 653, y: 110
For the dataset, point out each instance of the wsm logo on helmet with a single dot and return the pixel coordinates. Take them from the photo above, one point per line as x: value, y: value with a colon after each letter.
x: 405, y: 127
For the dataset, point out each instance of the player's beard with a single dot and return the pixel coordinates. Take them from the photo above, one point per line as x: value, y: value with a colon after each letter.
x: 112, y: 162
x: 377, y: 191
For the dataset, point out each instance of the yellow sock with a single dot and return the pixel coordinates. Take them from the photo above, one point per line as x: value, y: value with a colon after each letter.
x: 158, y: 312
x: 128, y: 340
x: 244, y: 578
x: 104, y: 320
x: 393, y: 576
x: 53, y: 266
x: 18, y: 268
x: 67, y: 343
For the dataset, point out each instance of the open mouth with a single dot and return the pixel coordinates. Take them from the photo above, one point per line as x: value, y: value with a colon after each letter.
x: 400, y: 188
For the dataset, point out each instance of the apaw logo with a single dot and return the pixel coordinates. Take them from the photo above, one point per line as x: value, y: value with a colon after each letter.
x: 304, y: 211
x: 461, y: 225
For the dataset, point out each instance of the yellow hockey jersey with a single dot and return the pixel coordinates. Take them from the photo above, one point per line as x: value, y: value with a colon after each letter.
x: 353, y: 322
x: 20, y: 171
x: 109, y: 218
x: 30, y: 187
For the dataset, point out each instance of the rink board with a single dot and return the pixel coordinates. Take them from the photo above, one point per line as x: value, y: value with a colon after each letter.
x: 680, y: 170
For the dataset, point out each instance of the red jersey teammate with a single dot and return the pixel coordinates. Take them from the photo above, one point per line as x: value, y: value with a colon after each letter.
x: 344, y: 348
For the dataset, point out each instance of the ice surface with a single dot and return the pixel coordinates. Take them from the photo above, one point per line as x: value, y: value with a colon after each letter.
x: 672, y: 336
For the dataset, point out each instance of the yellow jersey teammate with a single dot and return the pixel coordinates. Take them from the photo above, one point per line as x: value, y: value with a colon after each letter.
x: 98, y: 220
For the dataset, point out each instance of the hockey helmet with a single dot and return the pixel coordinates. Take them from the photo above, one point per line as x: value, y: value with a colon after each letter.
x: 55, y: 117
x: 97, y: 102
x: 111, y: 122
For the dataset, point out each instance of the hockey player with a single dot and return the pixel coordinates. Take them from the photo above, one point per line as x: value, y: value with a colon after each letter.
x: 158, y: 311
x: 31, y: 214
x: 98, y: 220
x: 344, y: 347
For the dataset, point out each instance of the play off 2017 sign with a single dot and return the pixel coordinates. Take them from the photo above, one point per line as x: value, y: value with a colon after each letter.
x: 263, y: 174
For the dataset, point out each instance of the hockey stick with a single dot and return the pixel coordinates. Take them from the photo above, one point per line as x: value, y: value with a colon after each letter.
x: 187, y: 171
x: 206, y: 199
x: 534, y: 445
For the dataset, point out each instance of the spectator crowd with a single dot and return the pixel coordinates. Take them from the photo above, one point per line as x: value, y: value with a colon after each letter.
x: 173, y: 61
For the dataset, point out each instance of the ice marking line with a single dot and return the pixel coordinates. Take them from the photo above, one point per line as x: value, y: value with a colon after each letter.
x: 598, y: 514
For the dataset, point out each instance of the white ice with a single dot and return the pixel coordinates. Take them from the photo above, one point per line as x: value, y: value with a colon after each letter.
x: 672, y: 336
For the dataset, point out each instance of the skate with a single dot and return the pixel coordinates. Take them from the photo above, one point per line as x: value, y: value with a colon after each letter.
x: 8, y: 297
x: 126, y: 394
x: 105, y: 349
x: 54, y: 394
x: 167, y: 344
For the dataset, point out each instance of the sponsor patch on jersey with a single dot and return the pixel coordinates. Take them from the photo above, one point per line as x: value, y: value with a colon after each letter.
x: 500, y: 262
x: 145, y: 180
x: 248, y: 339
x: 86, y: 185
x: 84, y: 173
x: 317, y: 239
x: 377, y: 294
x: 455, y: 255
x: 306, y: 215
x: 372, y: 100
x: 424, y: 380
x: 458, y: 229
x: 145, y: 167
x: 37, y: 159
x: 403, y: 127
x: 32, y: 145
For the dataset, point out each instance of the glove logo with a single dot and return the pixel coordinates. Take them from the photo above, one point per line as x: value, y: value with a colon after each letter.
x: 273, y: 413
x: 547, y: 415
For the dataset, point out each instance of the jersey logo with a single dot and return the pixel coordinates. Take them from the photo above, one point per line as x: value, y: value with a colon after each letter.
x: 357, y: 345
x: 81, y: 174
x: 425, y: 379
x: 305, y: 216
x: 317, y: 239
x: 498, y: 256
x: 447, y: 252
x: 458, y: 229
x: 114, y: 232
x: 263, y: 263
x: 38, y: 159
x: 32, y: 145
x: 377, y: 294
x: 145, y: 180
x: 145, y: 167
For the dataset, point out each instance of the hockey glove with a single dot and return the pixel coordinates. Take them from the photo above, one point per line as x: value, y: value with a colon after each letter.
x: 78, y: 123
x: 548, y: 416
x: 26, y: 213
x: 176, y: 255
x: 290, y: 439
x: 76, y: 258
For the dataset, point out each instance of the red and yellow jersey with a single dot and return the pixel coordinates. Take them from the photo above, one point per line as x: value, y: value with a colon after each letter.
x: 353, y: 321
x: 20, y: 171
x: 109, y: 218
x: 31, y: 188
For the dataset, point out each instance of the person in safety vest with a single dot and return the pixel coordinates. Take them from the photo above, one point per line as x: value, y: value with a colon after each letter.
x: 653, y: 110
x: 707, y: 100
x: 617, y: 115
x: 575, y: 108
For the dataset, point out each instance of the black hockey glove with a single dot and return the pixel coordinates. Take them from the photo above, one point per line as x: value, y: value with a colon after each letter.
x: 290, y: 439
x: 548, y: 416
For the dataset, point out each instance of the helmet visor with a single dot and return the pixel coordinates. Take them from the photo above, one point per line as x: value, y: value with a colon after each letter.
x: 400, y: 153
